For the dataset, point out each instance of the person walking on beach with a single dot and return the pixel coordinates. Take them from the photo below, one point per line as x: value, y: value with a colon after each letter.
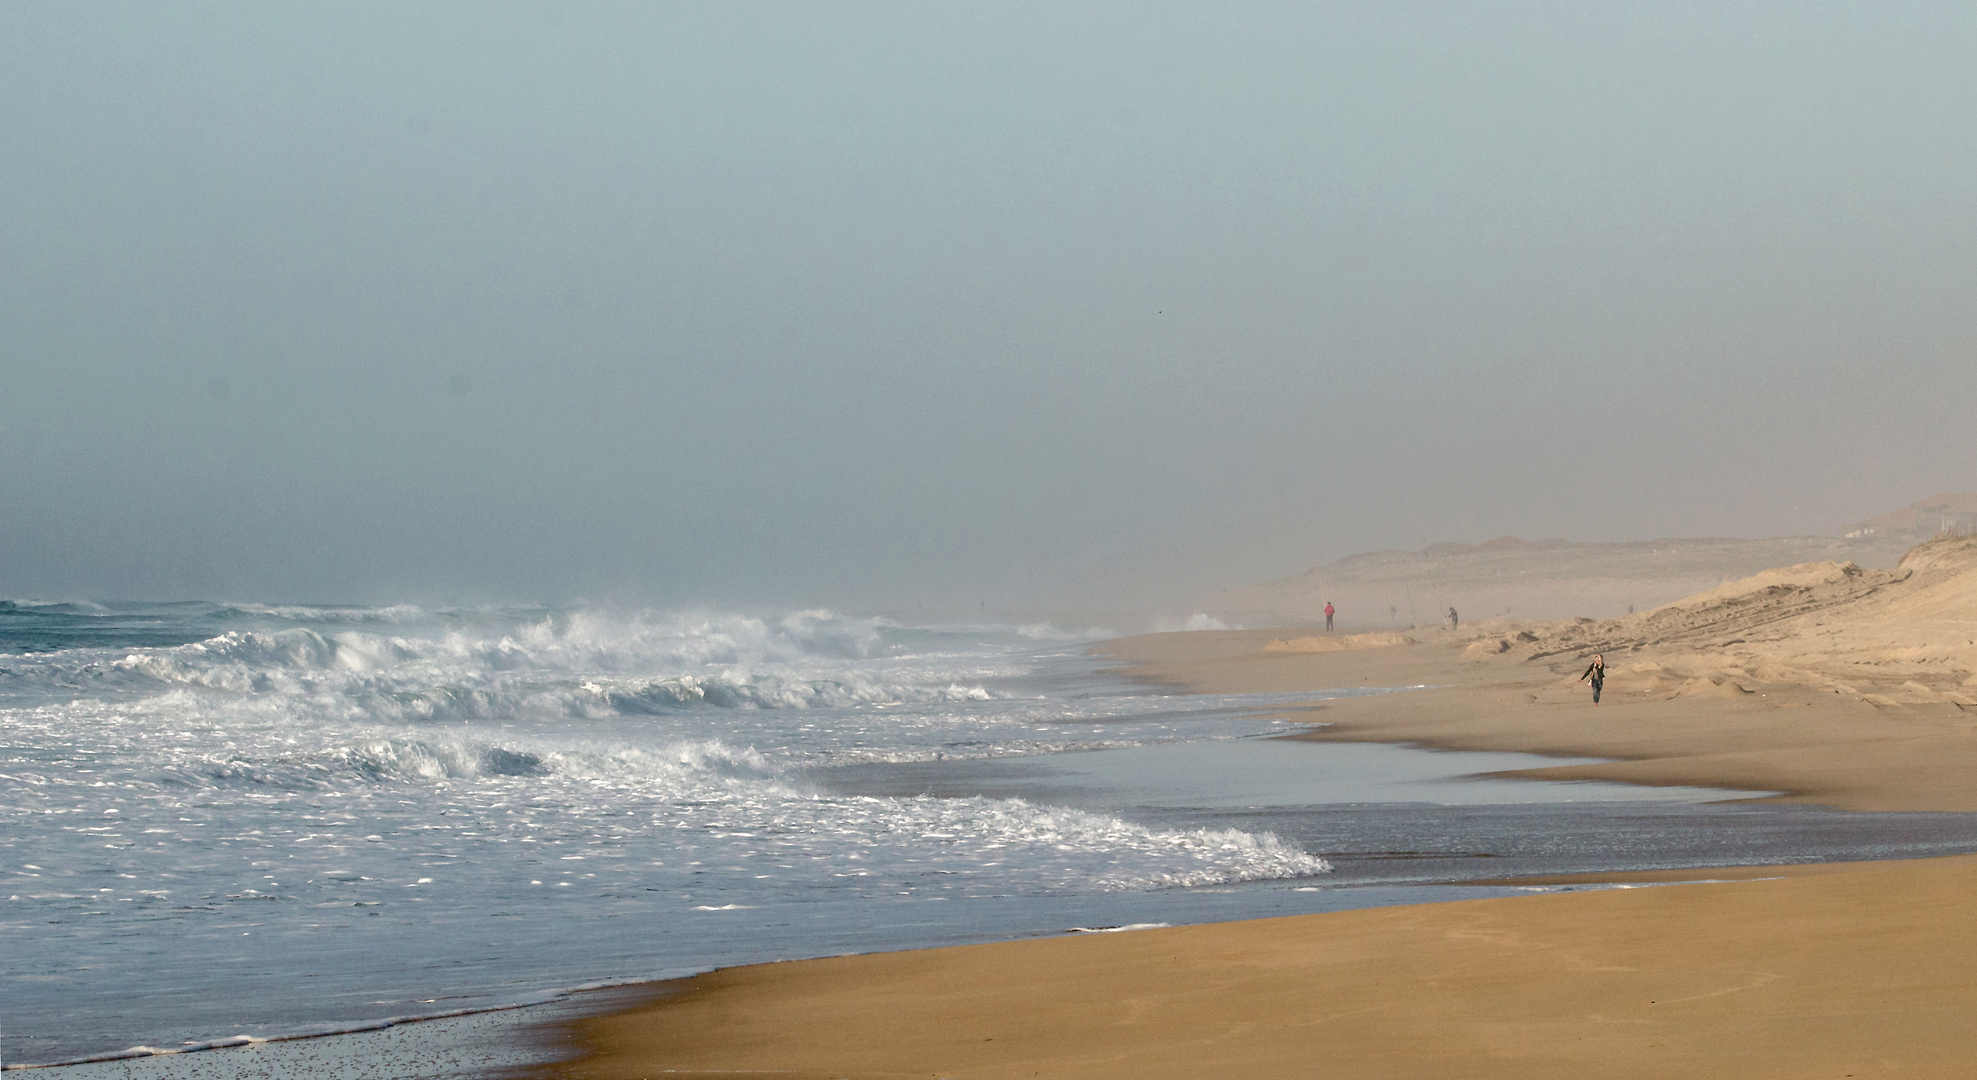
x: 1452, y: 620
x: 1328, y: 616
x: 1596, y: 672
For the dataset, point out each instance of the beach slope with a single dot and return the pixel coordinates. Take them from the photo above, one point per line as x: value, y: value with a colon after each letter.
x: 1864, y: 970
x: 1822, y: 682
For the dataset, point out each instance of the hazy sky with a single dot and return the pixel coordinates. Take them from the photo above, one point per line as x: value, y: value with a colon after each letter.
x: 1050, y: 305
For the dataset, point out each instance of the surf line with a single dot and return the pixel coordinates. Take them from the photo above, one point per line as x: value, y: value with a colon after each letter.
x: 233, y: 1041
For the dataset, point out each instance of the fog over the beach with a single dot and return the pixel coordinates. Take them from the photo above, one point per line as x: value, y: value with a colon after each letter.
x: 1043, y: 305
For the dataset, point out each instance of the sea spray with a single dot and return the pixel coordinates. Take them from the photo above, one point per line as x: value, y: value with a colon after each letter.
x: 303, y: 816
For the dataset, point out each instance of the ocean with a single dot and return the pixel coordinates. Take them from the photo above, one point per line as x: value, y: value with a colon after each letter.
x: 227, y: 821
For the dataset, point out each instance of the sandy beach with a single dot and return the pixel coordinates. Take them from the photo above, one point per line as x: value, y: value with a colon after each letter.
x: 1824, y: 682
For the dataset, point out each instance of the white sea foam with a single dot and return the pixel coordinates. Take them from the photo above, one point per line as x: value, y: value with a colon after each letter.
x: 309, y: 787
x: 1050, y: 632
x: 1197, y: 621
x: 397, y: 613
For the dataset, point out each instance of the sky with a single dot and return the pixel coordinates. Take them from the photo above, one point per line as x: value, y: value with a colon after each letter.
x: 1026, y: 305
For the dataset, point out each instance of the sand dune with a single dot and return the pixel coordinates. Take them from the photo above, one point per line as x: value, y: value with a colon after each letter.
x: 1908, y: 634
x: 1533, y: 579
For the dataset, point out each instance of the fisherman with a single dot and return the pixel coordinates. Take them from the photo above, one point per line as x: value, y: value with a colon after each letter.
x: 1596, y: 672
x: 1453, y: 621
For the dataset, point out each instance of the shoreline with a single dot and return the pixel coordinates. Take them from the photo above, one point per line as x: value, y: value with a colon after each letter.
x: 1813, y: 745
x: 1783, y: 969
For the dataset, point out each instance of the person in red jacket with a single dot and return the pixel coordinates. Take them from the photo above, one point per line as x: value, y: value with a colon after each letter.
x: 1328, y: 616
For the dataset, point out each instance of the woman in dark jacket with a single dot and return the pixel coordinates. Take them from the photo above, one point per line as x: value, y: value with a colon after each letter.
x: 1596, y: 671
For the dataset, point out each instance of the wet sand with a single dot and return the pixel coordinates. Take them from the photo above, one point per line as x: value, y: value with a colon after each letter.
x: 1819, y: 746
x: 1864, y: 969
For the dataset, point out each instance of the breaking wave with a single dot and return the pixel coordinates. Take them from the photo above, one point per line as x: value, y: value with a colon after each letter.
x: 295, y: 779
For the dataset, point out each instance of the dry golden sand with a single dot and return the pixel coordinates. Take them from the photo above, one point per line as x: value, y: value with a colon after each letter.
x: 1861, y: 972
x: 1826, y: 684
x: 1337, y: 643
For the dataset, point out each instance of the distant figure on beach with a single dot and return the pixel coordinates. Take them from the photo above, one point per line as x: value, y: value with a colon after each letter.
x: 1393, y: 614
x: 1328, y: 616
x: 1596, y: 672
x: 1452, y: 620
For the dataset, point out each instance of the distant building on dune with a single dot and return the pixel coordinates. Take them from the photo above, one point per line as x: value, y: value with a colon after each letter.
x: 1920, y: 520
